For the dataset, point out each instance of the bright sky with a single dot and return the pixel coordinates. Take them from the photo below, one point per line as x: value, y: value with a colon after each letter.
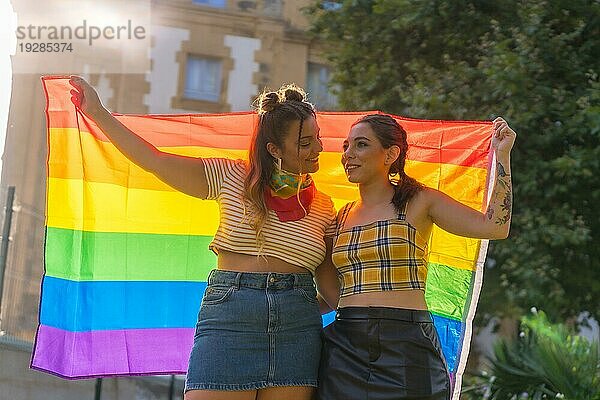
x: 8, y: 25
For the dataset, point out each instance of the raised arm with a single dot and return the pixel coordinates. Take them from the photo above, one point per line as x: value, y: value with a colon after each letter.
x: 185, y: 174
x: 459, y: 219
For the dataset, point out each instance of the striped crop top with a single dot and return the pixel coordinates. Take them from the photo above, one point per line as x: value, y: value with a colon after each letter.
x: 379, y: 256
x: 298, y: 242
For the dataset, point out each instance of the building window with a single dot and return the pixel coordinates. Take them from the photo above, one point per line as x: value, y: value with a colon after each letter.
x: 272, y: 8
x: 331, y: 5
x: 211, y: 3
x: 203, y: 78
x: 317, y: 86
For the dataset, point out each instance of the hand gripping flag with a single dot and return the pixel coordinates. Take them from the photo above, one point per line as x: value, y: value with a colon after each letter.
x: 126, y: 256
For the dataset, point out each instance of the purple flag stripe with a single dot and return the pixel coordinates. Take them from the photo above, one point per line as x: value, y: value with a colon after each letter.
x: 75, y: 355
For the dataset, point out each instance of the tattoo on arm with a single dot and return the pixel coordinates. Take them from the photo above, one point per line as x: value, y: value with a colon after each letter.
x: 504, y: 187
x: 501, y: 171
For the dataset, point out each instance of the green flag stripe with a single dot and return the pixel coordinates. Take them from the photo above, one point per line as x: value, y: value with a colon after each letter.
x: 108, y: 256
x: 447, y: 290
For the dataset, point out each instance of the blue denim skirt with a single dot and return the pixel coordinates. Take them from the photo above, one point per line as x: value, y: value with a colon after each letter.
x: 256, y: 330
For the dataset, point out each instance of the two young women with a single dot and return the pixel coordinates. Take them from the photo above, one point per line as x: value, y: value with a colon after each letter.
x: 258, y: 334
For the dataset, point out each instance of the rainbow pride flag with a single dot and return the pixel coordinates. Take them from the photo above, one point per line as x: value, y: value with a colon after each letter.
x: 126, y: 256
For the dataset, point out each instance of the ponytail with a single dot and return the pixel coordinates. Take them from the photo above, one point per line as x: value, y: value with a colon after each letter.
x: 404, y: 190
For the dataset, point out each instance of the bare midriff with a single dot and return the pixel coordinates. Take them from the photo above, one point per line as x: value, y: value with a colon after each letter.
x: 230, y: 261
x: 411, y: 299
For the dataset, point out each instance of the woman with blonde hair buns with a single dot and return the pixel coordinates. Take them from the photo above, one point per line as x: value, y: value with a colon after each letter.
x: 259, y: 325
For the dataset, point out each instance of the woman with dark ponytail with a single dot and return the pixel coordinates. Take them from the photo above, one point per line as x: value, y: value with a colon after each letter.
x: 382, y: 344
x: 258, y: 334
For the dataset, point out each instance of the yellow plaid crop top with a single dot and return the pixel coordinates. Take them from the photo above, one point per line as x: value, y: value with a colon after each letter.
x: 379, y: 256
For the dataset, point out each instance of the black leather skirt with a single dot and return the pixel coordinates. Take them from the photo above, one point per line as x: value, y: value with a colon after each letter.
x: 381, y: 353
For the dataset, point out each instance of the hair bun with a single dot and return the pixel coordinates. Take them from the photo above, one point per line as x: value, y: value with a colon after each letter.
x: 267, y: 101
x: 292, y: 92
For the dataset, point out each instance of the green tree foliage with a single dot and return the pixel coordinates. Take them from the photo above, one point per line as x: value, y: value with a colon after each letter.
x: 537, y: 63
x: 545, y: 362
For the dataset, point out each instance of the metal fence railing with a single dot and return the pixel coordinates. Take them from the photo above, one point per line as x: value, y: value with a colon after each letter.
x: 21, y: 266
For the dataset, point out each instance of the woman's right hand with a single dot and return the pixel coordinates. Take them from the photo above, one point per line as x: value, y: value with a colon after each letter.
x: 85, y: 97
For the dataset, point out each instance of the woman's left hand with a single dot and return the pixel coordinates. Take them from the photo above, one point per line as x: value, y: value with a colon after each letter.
x: 503, y: 137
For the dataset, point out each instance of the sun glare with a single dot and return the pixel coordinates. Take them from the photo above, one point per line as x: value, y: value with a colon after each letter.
x: 8, y: 24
